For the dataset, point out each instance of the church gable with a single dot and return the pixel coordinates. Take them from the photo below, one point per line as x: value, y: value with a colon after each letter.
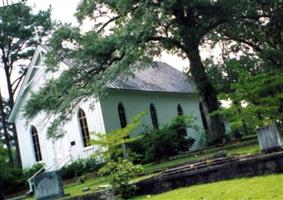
x: 34, y: 73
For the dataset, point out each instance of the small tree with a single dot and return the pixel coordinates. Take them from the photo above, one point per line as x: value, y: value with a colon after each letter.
x: 121, y: 173
x: 120, y: 170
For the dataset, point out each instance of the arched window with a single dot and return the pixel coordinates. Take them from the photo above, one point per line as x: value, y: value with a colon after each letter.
x: 203, y: 117
x: 122, y: 115
x: 179, y: 110
x: 36, y: 145
x: 84, y: 128
x: 181, y: 129
x: 153, y: 115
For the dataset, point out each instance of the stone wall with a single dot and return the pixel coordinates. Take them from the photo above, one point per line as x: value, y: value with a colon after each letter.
x: 99, y: 195
x: 242, y: 167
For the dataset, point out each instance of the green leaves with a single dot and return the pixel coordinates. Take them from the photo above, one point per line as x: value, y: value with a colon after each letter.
x: 256, y: 101
x: 129, y: 32
x: 109, y: 144
x: 18, y: 23
x: 121, y: 173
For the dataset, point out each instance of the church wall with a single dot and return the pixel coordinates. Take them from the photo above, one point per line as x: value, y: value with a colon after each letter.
x: 94, y: 119
x: 69, y: 147
x: 26, y: 143
x: 55, y: 153
x: 60, y: 151
x: 135, y: 102
x: 39, y: 122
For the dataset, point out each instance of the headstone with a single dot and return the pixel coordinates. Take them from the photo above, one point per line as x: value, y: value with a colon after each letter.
x: 48, y: 185
x: 269, y: 138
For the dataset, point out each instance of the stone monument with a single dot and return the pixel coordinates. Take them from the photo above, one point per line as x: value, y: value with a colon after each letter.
x: 269, y: 138
x: 48, y: 185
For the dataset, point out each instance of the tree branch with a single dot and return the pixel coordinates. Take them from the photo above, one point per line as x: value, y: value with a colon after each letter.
x: 18, y: 81
x: 107, y: 23
x: 18, y: 49
x: 241, y: 40
x: 163, y: 40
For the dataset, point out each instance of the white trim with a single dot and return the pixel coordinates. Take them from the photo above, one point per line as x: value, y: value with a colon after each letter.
x: 88, y: 148
x: 25, y: 83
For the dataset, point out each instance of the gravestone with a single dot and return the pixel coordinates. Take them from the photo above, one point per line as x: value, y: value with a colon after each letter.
x: 48, y: 185
x: 269, y: 138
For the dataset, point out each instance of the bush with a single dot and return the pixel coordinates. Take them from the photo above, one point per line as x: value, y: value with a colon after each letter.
x: 27, y: 173
x: 15, y: 179
x: 121, y: 172
x: 91, y: 165
x: 160, y: 144
x: 73, y: 170
x: 79, y: 168
x: 136, y: 150
x: 12, y: 177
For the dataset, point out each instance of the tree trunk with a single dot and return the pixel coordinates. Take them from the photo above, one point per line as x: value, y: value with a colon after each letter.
x: 11, y: 105
x: 207, y: 94
x: 18, y: 153
x: 5, y: 129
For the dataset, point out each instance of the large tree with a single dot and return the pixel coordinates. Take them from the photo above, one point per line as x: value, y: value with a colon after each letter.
x: 133, y: 32
x: 20, y: 31
x: 253, y: 74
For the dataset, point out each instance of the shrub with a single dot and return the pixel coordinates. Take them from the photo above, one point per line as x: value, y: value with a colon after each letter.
x: 79, y: 168
x: 120, y: 173
x: 91, y: 165
x: 160, y: 144
x: 31, y: 171
x: 136, y: 150
x: 15, y: 179
x: 75, y: 169
x: 12, y: 177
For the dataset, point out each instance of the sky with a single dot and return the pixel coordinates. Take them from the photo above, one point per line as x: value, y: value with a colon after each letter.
x: 63, y: 10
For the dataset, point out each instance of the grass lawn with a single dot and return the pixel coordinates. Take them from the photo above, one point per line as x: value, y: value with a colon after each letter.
x: 251, y: 149
x: 268, y: 187
x: 75, y: 188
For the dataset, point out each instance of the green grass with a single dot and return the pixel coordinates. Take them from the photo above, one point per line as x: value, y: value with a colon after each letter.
x: 251, y: 149
x: 263, y: 187
x: 75, y: 188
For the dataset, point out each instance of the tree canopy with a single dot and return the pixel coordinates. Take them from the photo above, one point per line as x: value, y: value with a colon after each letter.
x: 250, y: 69
x: 20, y: 31
x: 133, y: 33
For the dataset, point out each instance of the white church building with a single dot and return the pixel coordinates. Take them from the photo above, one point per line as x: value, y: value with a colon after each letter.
x: 162, y: 91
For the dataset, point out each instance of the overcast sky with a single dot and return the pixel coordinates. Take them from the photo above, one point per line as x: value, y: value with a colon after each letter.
x: 63, y: 10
